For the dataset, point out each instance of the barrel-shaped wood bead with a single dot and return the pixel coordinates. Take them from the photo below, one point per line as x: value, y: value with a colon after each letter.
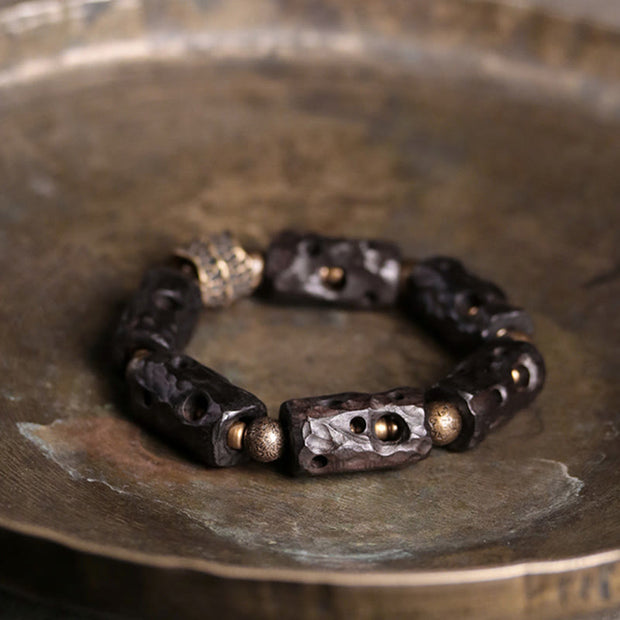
x: 306, y: 267
x: 161, y: 315
x: 489, y: 387
x: 460, y: 307
x: 190, y: 405
x: 355, y: 431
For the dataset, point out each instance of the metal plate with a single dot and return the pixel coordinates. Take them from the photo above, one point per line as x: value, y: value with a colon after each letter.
x: 108, y: 162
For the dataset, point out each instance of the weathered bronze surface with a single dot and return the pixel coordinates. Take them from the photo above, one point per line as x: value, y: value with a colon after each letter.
x: 128, y: 128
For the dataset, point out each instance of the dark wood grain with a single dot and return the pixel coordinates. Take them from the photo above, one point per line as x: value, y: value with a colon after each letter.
x: 336, y: 433
x: 462, y: 308
x: 371, y: 270
x: 484, y: 390
x: 160, y: 316
x: 190, y: 405
x: 481, y: 130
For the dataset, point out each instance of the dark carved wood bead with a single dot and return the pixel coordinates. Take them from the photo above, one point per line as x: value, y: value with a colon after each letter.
x: 460, y: 307
x: 161, y: 315
x: 489, y: 387
x: 355, y: 432
x: 312, y: 268
x: 190, y: 405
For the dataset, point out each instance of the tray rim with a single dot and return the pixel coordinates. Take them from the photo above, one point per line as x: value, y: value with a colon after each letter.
x: 413, y: 578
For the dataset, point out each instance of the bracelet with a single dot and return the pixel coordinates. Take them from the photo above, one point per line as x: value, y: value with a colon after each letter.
x: 222, y: 424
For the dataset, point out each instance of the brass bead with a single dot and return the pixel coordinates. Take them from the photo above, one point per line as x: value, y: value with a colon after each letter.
x: 445, y: 423
x: 513, y: 335
x: 234, y: 438
x: 386, y: 429
x: 225, y: 271
x: 332, y: 276
x: 264, y: 439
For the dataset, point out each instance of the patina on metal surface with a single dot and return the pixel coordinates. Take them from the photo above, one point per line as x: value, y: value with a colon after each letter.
x: 127, y: 128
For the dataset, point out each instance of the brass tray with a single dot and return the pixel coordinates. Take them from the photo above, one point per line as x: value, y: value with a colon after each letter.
x: 485, y: 131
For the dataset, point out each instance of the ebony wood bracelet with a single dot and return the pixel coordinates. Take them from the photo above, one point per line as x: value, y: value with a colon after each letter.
x: 222, y: 424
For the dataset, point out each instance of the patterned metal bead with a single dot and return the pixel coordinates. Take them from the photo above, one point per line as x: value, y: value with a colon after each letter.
x: 463, y: 309
x: 307, y: 268
x: 355, y: 432
x: 225, y: 270
x: 489, y: 387
x: 190, y: 405
x: 263, y: 440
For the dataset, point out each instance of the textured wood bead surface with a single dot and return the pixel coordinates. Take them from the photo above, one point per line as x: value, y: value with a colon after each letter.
x: 341, y: 432
x: 460, y: 307
x: 161, y: 315
x: 489, y: 387
x: 306, y: 267
x: 190, y: 405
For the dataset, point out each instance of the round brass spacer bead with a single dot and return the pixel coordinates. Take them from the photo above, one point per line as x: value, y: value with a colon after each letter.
x: 234, y: 438
x: 332, y: 276
x: 263, y: 440
x: 386, y: 429
x: 445, y: 423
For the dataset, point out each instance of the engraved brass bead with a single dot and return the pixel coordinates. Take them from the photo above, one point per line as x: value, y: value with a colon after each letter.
x: 225, y: 271
x: 234, y: 438
x: 264, y: 440
x: 445, y: 423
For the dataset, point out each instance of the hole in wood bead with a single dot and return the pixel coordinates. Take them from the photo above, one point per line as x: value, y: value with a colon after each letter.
x: 470, y: 304
x: 313, y: 247
x: 371, y: 297
x: 520, y: 376
x: 184, y: 265
x: 147, y: 398
x: 164, y: 300
x: 389, y: 427
x: 180, y: 362
x: 333, y: 277
x: 358, y: 425
x: 195, y: 406
x: 497, y: 396
x: 319, y: 461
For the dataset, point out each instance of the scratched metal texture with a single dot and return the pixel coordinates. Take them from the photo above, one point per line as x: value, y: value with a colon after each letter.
x: 127, y: 128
